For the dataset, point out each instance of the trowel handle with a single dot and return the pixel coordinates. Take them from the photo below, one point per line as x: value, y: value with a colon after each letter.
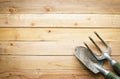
x: 106, y: 73
x: 111, y: 75
x: 116, y: 67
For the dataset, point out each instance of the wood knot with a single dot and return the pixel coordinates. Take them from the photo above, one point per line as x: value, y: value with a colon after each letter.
x: 6, y: 22
x: 32, y: 24
x: 10, y: 74
x: 12, y: 10
x: 76, y: 24
x: 88, y: 18
x: 49, y: 31
x: 11, y: 44
x: 48, y: 8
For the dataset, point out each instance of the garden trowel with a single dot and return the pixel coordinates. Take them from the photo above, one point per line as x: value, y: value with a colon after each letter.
x: 94, y: 65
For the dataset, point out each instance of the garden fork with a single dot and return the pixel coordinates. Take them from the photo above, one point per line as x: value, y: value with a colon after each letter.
x: 105, y: 54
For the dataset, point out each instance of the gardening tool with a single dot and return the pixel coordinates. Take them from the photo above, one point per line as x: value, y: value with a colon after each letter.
x: 90, y: 61
x: 105, y: 54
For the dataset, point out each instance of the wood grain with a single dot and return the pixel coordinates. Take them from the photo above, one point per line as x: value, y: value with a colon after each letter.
x: 48, y: 74
x: 38, y: 37
x: 58, y: 34
x: 43, y: 62
x: 31, y: 48
x: 38, y: 62
x: 59, y: 20
x: 60, y: 6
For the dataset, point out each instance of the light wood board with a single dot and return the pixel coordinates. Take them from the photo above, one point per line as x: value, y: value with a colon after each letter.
x: 35, y: 48
x: 60, y: 20
x: 12, y: 62
x: 60, y: 6
x: 57, y: 34
x: 38, y: 37
x: 48, y: 74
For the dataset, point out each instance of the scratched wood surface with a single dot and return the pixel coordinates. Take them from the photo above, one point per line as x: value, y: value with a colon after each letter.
x: 38, y: 37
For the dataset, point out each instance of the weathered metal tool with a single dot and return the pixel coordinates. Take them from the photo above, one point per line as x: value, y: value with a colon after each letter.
x: 105, y: 54
x: 88, y: 59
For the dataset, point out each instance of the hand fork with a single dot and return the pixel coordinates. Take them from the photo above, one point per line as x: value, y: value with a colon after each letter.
x: 105, y: 54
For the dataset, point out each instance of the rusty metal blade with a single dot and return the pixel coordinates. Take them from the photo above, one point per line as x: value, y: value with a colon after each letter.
x: 85, y: 56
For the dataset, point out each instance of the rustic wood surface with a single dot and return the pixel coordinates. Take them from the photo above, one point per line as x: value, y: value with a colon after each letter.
x: 57, y: 34
x: 48, y: 74
x: 60, y: 6
x: 38, y: 37
x: 31, y: 48
x: 11, y: 62
x: 60, y: 20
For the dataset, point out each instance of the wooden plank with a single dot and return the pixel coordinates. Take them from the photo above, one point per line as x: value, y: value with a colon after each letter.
x: 59, y: 34
x: 48, y: 74
x: 60, y: 6
x: 38, y: 62
x: 49, y: 47
x: 43, y: 62
x: 59, y: 20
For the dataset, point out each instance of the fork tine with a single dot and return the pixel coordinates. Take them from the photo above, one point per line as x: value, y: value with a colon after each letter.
x: 101, y: 39
x: 90, y: 50
x: 95, y: 44
x: 87, y: 47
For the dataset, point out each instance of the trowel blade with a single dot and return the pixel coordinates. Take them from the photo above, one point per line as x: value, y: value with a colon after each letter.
x: 84, y: 55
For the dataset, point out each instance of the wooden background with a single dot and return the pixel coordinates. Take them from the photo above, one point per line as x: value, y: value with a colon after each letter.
x: 38, y: 37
